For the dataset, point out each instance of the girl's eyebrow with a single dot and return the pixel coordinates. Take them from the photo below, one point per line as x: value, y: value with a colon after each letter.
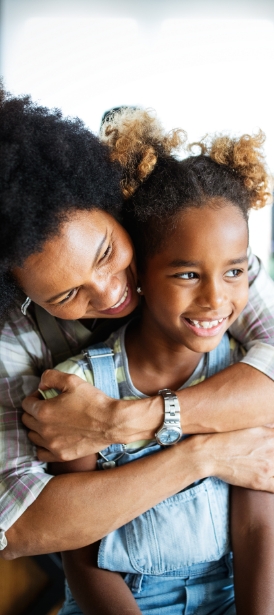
x: 240, y: 260
x: 177, y: 262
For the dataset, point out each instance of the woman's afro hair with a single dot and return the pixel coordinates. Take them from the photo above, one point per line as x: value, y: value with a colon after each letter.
x: 50, y: 166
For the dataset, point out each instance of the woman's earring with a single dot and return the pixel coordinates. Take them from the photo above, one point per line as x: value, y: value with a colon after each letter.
x: 139, y: 290
x: 25, y: 306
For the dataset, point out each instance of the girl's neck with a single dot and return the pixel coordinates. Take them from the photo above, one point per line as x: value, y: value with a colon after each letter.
x: 156, y: 362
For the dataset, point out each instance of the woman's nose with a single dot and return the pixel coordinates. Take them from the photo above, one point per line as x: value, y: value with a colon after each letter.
x: 105, y: 292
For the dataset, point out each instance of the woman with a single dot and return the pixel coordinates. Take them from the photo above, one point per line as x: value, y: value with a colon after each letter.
x: 61, y: 247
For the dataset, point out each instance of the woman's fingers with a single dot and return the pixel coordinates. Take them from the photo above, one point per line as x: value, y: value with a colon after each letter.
x: 53, y: 379
x: 73, y: 424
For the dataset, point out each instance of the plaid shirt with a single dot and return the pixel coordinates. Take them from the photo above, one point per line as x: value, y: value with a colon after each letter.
x: 24, y: 356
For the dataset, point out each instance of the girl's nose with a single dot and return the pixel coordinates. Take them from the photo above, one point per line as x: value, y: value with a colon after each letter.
x: 212, y: 296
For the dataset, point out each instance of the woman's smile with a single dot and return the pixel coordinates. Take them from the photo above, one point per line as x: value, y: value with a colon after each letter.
x: 121, y: 304
x: 92, y: 260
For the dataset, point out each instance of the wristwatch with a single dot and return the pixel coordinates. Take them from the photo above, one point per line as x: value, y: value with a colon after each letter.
x: 170, y: 432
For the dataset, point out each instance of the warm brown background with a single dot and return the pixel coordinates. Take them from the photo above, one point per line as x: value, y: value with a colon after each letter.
x: 21, y: 582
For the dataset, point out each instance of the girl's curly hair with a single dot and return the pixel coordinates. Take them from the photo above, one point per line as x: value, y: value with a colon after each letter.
x: 136, y: 140
x: 50, y: 166
x: 157, y: 185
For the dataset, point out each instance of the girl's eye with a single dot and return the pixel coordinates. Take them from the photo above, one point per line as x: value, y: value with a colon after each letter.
x: 189, y: 275
x: 233, y: 273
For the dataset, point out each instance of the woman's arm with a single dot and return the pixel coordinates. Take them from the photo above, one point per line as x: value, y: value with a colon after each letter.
x: 82, y: 419
x: 74, y: 510
x: 252, y: 531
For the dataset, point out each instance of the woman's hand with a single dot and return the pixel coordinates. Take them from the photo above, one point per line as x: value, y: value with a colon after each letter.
x: 83, y: 420
x: 244, y: 458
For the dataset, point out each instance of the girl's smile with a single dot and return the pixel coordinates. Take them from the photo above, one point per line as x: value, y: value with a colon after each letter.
x: 207, y: 328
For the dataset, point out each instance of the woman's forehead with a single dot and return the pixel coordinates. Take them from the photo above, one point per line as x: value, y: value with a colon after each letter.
x: 65, y: 258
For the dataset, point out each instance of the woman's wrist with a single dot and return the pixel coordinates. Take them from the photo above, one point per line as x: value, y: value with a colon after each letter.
x: 137, y: 419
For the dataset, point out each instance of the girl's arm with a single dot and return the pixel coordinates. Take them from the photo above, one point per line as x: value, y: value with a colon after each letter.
x: 252, y: 530
x: 95, y: 590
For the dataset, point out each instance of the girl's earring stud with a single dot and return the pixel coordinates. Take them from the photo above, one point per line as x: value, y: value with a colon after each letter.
x: 25, y: 306
x: 139, y: 290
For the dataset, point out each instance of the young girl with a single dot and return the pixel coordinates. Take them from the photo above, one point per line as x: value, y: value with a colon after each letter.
x: 189, y: 223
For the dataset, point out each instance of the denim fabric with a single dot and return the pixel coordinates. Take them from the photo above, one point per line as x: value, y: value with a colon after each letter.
x: 206, y: 590
x: 189, y: 528
x: 175, y: 557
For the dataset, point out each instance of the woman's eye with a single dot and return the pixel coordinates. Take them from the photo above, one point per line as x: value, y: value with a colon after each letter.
x: 106, y: 253
x: 68, y: 296
x: 233, y: 273
x: 189, y: 275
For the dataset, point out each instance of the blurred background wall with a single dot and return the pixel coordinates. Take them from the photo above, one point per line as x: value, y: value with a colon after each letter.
x: 204, y: 65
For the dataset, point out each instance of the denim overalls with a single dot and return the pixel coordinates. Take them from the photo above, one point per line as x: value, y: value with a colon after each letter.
x: 176, y: 556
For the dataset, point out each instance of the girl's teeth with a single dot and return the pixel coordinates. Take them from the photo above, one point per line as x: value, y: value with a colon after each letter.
x: 206, y: 324
x: 122, y: 299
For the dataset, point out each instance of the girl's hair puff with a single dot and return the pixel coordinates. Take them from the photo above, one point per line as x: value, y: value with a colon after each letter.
x: 158, y: 186
x: 137, y: 139
x: 244, y: 156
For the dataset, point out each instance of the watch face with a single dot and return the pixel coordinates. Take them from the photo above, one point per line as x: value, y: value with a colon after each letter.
x: 169, y: 436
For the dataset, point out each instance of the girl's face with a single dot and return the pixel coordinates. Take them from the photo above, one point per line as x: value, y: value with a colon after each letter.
x: 87, y: 271
x: 197, y: 285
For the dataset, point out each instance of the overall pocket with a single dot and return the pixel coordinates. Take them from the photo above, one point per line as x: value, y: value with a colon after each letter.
x: 188, y: 528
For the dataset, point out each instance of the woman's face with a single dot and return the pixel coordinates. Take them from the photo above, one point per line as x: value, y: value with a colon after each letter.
x: 87, y: 271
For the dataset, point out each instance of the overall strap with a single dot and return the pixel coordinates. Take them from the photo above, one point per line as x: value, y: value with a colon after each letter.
x: 219, y: 358
x: 52, y: 335
x: 100, y: 358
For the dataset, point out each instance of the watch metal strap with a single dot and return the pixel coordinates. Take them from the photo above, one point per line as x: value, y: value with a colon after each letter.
x: 172, y: 408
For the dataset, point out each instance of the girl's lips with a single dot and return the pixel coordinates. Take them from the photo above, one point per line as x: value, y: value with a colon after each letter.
x: 205, y: 331
x: 119, y: 307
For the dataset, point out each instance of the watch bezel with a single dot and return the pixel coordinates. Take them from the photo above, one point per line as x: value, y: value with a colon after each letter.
x: 168, y: 428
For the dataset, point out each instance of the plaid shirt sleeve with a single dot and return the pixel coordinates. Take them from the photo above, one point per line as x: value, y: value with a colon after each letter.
x: 23, y: 357
x: 254, y: 328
